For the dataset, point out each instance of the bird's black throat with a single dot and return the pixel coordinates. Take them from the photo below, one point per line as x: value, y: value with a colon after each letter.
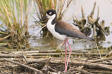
x: 54, y: 21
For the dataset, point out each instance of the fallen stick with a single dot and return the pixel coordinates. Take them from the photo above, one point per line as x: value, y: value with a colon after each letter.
x: 99, y: 60
x: 12, y: 55
x: 82, y: 71
x: 46, y: 51
x: 58, y: 54
x: 35, y: 70
x: 87, y: 64
x: 2, y: 39
x: 94, y: 65
x: 79, y: 69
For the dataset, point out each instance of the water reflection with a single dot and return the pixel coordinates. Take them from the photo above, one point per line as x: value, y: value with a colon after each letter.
x: 46, y: 43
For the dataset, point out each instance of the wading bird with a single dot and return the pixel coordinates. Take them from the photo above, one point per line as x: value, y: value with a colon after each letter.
x: 63, y: 31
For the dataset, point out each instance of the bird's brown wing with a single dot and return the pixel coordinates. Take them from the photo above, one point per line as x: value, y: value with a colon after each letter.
x: 68, y: 30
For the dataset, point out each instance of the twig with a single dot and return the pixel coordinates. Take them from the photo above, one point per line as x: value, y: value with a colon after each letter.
x: 94, y: 65
x: 47, y: 51
x: 24, y: 57
x: 36, y: 70
x: 47, y: 54
x: 82, y: 71
x: 109, y: 54
x: 88, y: 65
x: 98, y: 50
x: 100, y: 60
x: 10, y: 56
x: 1, y: 39
x: 45, y: 68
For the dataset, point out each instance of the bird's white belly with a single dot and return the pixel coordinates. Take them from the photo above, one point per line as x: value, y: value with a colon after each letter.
x: 51, y: 28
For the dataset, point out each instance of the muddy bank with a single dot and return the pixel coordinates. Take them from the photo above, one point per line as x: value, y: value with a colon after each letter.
x: 52, y: 61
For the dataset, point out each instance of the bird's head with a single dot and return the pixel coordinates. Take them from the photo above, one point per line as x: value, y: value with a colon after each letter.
x: 51, y: 14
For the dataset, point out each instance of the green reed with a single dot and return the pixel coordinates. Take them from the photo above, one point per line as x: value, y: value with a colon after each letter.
x: 14, y: 16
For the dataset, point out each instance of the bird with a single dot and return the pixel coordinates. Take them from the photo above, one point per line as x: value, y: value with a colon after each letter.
x: 63, y: 31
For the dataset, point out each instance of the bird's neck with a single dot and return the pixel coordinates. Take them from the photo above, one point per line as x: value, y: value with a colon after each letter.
x: 52, y: 19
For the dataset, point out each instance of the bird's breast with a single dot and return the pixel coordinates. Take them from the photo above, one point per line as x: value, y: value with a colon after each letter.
x: 51, y: 28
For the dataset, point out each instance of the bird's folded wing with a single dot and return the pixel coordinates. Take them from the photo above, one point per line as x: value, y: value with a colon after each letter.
x: 69, y: 30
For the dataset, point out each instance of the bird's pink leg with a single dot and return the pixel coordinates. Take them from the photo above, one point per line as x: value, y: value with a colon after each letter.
x: 70, y: 51
x: 65, y: 58
x: 64, y: 43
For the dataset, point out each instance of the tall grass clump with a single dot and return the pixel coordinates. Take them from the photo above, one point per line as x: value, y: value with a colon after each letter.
x: 43, y: 5
x: 14, y: 17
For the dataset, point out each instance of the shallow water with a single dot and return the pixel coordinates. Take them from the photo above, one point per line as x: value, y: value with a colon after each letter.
x: 105, y: 7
